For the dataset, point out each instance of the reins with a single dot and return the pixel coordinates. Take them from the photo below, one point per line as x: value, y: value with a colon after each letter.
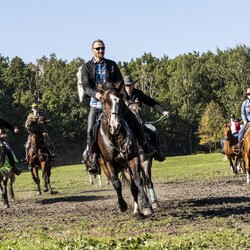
x: 158, y: 120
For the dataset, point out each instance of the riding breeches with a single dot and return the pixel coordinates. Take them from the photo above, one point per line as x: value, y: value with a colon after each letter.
x: 93, y: 113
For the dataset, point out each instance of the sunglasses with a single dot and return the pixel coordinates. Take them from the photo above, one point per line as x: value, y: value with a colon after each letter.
x: 100, y: 48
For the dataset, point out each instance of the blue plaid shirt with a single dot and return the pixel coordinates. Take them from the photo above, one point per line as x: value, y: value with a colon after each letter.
x: 100, y: 76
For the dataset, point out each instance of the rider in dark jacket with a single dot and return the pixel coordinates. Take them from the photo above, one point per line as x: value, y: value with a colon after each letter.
x: 101, y: 70
x: 132, y: 95
x: 5, y: 145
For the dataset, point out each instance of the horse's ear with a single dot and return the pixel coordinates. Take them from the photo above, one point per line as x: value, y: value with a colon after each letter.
x: 119, y: 85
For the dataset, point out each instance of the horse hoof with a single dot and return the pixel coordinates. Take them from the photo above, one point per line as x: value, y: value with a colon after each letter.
x: 138, y: 216
x: 6, y: 206
x: 155, y: 205
x: 147, y: 212
x: 45, y: 190
x: 122, y: 207
x: 38, y: 193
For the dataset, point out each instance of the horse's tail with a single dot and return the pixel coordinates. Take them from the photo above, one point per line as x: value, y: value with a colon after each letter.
x: 125, y: 177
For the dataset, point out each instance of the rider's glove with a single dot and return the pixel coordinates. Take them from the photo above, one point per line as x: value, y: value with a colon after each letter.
x: 165, y: 113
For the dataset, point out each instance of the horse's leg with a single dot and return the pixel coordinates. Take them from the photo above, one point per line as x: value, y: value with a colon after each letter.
x: 107, y: 181
x: 11, y: 190
x: 134, y: 166
x: 229, y: 157
x: 46, y: 177
x: 99, y: 180
x: 91, y: 178
x: 5, y: 193
x: 147, y: 176
x: 135, y: 193
x: 235, y: 159
x: 247, y: 166
x: 122, y: 205
x: 113, y: 177
x: 36, y: 179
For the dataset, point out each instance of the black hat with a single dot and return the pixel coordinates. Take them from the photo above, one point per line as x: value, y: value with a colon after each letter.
x: 128, y: 80
x: 232, y: 116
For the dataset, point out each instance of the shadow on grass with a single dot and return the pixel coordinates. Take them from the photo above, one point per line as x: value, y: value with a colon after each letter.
x: 73, y: 199
x: 208, y: 207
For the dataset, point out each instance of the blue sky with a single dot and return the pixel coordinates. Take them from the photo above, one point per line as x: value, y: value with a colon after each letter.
x: 31, y: 29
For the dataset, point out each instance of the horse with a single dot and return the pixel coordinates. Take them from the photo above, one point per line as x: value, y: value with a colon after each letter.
x: 118, y: 149
x: 6, y: 176
x: 246, y: 152
x: 233, y: 155
x: 97, y: 176
x: 146, y: 161
x: 38, y: 156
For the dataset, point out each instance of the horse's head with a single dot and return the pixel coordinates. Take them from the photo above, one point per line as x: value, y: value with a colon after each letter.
x: 227, y: 131
x: 112, y: 107
x: 137, y: 110
x: 33, y: 126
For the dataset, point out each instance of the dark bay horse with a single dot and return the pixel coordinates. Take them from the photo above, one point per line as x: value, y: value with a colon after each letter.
x: 146, y: 161
x: 246, y: 152
x: 119, y: 150
x: 6, y: 176
x: 233, y: 155
x: 39, y: 157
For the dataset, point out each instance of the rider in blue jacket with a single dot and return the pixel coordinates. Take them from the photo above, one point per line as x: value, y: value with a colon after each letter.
x: 245, y: 115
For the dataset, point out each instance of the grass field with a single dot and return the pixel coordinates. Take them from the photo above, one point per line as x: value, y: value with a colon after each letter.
x: 214, y: 233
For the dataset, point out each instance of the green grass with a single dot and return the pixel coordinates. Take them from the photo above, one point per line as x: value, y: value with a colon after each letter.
x: 218, y: 234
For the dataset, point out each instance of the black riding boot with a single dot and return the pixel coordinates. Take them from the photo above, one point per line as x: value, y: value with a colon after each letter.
x: 94, y: 168
x: 91, y: 153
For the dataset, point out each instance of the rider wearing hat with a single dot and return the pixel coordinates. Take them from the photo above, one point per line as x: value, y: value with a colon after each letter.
x: 132, y: 95
x: 37, y: 115
x: 5, y: 145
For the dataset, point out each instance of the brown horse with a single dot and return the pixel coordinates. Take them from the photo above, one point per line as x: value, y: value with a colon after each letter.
x: 39, y: 157
x: 246, y: 152
x: 233, y: 155
x: 119, y: 150
x: 146, y: 161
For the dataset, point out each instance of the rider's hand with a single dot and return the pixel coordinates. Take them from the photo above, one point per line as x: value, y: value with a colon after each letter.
x: 16, y: 130
x: 166, y: 113
x: 98, y: 96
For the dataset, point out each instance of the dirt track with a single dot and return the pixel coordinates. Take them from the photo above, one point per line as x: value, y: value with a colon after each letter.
x: 183, y: 204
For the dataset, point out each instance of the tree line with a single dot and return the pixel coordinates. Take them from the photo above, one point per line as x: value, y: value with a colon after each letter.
x: 200, y: 90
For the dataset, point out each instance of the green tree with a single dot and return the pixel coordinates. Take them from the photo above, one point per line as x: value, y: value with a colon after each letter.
x: 210, y: 127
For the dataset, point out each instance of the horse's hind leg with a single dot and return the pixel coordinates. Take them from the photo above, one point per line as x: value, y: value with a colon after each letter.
x: 4, y: 194
x: 11, y: 190
x: 147, y: 211
x: 148, y: 184
x: 135, y: 193
x: 45, y: 187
